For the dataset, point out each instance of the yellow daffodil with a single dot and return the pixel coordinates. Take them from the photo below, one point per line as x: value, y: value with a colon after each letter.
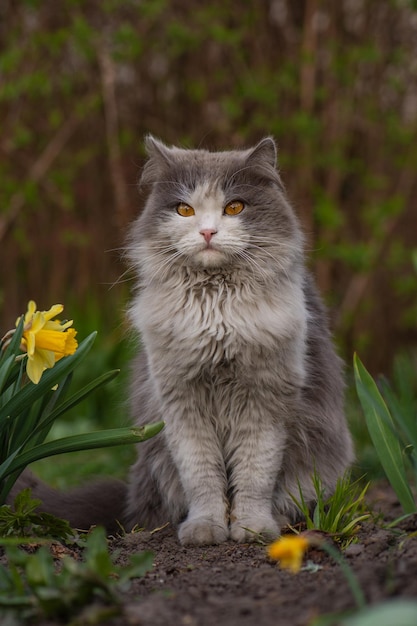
x: 45, y: 340
x: 289, y: 551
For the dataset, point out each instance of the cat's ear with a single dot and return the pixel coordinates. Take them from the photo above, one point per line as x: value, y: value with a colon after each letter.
x: 263, y: 157
x: 264, y: 153
x: 155, y: 148
x: 159, y: 159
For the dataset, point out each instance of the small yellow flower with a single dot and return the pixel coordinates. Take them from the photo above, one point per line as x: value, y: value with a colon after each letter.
x: 45, y: 340
x: 289, y: 551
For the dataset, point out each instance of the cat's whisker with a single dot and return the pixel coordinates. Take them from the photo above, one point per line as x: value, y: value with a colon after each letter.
x: 265, y: 251
x: 151, y: 253
x: 121, y: 279
x: 236, y: 172
x: 272, y: 242
x: 174, y: 183
x: 120, y: 249
x: 160, y: 267
x: 253, y: 263
x: 278, y: 264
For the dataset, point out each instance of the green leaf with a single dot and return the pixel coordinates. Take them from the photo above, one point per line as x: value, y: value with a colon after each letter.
x: 398, y: 612
x: 86, y: 441
x: 14, y: 346
x: 5, y: 371
x: 138, y: 566
x: 97, y: 557
x: 40, y: 569
x: 77, y: 397
x: 382, y: 431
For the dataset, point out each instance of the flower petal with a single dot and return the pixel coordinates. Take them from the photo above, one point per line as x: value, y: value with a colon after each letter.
x: 31, y: 311
x: 35, y: 368
x: 71, y: 344
x: 289, y: 551
x: 46, y: 340
x: 30, y: 343
x: 37, y: 322
x: 50, y: 340
x: 48, y: 358
x: 57, y: 325
x: 55, y: 310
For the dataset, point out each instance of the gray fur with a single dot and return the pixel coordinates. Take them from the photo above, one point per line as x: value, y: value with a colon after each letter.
x: 98, y: 503
x: 237, y: 356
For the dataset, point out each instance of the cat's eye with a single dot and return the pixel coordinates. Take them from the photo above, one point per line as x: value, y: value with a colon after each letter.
x: 234, y: 208
x: 185, y: 210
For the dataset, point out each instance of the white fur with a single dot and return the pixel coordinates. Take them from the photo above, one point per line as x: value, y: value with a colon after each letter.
x: 196, y: 329
x: 225, y: 326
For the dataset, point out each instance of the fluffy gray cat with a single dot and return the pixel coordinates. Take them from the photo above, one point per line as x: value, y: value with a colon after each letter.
x: 237, y: 357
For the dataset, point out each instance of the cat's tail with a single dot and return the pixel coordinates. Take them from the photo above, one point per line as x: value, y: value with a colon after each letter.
x: 101, y: 502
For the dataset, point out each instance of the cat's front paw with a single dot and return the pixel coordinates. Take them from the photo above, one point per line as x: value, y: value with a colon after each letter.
x: 202, y: 531
x: 247, y: 529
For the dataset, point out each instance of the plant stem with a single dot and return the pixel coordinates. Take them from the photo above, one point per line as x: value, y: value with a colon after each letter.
x: 348, y: 573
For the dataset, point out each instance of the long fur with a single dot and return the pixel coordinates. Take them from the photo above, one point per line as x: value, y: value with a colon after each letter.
x: 237, y: 358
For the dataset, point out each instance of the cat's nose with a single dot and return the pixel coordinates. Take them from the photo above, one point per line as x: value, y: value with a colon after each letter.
x: 208, y: 233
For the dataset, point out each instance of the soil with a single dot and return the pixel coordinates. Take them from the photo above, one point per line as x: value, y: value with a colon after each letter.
x: 237, y: 585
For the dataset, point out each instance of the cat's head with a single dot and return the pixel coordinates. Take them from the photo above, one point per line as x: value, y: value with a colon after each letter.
x: 214, y: 210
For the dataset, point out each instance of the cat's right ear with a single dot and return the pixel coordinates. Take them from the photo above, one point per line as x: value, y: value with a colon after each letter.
x: 264, y: 153
x: 159, y: 159
x: 263, y: 157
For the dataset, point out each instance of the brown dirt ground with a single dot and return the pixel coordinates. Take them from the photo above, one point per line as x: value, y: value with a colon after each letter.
x: 236, y: 585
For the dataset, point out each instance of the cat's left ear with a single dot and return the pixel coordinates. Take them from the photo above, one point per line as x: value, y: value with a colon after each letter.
x: 158, y: 160
x: 263, y: 158
x: 264, y: 153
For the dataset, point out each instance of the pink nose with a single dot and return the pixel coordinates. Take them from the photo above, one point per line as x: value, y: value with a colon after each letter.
x: 208, y: 233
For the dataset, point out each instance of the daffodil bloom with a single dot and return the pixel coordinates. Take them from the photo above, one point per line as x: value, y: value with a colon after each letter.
x: 289, y: 551
x: 45, y: 340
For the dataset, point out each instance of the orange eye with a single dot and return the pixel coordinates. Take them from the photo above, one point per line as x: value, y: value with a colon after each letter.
x: 234, y: 208
x: 185, y: 210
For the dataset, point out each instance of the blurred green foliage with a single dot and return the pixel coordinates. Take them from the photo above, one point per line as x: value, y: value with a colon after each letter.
x: 81, y: 83
x: 391, y: 420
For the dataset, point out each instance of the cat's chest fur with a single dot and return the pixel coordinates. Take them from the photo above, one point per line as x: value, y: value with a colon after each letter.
x: 203, y: 320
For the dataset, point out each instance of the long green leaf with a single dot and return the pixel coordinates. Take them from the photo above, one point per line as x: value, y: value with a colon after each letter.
x: 30, y: 392
x: 78, y: 397
x: 404, y: 415
x: 14, y: 345
x: 381, y: 430
x: 5, y: 370
x: 398, y: 611
x: 86, y: 441
x: 43, y: 424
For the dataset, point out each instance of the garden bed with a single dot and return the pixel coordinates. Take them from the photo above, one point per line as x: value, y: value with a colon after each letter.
x: 226, y: 585
x: 236, y: 585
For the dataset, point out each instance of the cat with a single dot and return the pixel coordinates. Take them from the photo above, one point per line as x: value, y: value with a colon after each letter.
x: 237, y: 356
